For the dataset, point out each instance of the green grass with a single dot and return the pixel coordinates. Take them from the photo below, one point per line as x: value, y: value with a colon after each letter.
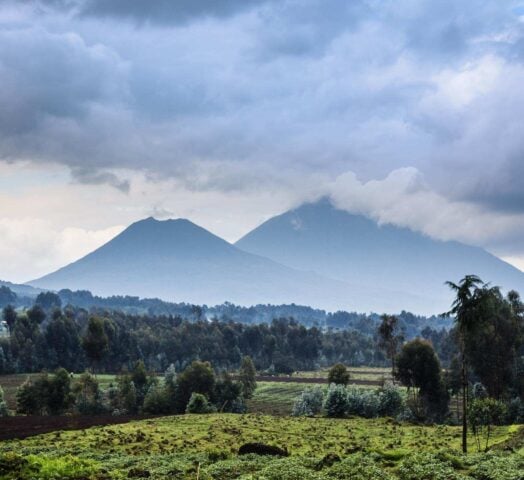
x: 178, y: 446
x: 275, y: 398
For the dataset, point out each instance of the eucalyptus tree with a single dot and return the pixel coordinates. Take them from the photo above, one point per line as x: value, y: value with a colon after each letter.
x: 463, y: 310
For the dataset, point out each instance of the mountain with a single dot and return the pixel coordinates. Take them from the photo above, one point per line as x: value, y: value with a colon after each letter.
x: 354, y: 249
x: 177, y: 260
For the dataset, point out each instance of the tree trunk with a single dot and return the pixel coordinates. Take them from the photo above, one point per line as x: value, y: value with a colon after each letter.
x: 464, y: 405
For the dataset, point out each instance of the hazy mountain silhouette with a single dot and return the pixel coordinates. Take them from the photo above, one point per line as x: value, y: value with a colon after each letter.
x: 179, y: 261
x: 355, y: 249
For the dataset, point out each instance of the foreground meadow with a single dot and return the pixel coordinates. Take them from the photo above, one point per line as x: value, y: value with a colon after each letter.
x: 206, y: 447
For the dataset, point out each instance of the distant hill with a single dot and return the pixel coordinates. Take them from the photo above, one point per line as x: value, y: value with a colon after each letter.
x: 20, y: 289
x: 354, y: 249
x: 177, y: 260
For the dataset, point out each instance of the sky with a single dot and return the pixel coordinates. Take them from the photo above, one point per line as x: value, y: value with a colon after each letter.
x: 228, y: 112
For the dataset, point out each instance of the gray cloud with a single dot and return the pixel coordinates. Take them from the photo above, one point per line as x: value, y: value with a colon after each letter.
x: 288, y: 89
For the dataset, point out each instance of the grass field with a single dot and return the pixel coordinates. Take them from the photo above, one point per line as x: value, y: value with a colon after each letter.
x: 205, y: 447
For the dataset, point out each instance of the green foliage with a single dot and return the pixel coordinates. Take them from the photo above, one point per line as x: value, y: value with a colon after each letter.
x: 16, y: 467
x: 483, y: 414
x: 87, y: 394
x: 246, y: 376
x: 309, y: 403
x: 95, y: 342
x: 427, y: 466
x: 336, y: 403
x: 358, y: 467
x: 418, y: 368
x: 338, y: 374
x: 497, y: 467
x: 156, y: 400
x: 196, y: 378
x: 198, y: 404
x: 391, y: 401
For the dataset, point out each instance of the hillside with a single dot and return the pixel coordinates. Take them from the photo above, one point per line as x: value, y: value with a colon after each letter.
x: 355, y: 249
x: 177, y: 260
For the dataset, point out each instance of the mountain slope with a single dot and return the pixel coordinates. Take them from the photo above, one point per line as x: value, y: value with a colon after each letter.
x: 357, y: 250
x: 179, y: 261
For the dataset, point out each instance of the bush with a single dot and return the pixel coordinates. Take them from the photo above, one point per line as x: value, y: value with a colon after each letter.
x: 156, y: 401
x: 309, y: 403
x: 497, y: 467
x: 391, y: 402
x: 336, y: 404
x: 198, y: 404
x: 363, y: 403
x: 426, y: 466
x: 338, y: 374
x: 358, y: 467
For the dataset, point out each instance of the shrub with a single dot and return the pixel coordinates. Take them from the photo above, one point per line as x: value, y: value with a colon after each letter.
x: 338, y: 374
x: 198, y: 404
x: 426, y: 466
x: 309, y: 403
x: 497, y: 467
x: 156, y: 400
x: 287, y: 469
x: 336, y: 404
x: 390, y: 400
x: 357, y: 467
x: 363, y: 403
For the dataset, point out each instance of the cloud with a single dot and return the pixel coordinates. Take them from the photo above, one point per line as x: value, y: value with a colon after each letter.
x: 160, y: 12
x: 31, y: 247
x: 261, y: 99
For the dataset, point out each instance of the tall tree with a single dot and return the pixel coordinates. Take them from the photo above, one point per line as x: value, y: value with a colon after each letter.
x: 390, y: 338
x: 463, y: 309
x: 9, y: 315
x: 247, y: 375
x: 95, y: 341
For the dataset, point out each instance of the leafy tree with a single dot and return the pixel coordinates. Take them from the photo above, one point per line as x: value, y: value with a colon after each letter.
x: 463, y: 309
x: 198, y: 403
x: 227, y: 395
x: 246, y: 376
x: 196, y: 378
x: 309, y: 403
x: 95, y: 342
x: 87, y: 394
x: 483, y: 414
x: 336, y: 403
x: 338, y: 374
x: 140, y: 381
x: 156, y: 401
x: 9, y: 315
x: 127, y: 394
x: 48, y: 301
x: 31, y: 396
x: 418, y: 368
x: 390, y: 337
x: 59, y: 394
x: 36, y: 315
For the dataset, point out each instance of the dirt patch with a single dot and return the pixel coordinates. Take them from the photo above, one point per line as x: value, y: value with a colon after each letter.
x: 27, y: 426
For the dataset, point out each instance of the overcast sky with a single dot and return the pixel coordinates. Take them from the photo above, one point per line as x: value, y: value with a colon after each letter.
x: 230, y: 111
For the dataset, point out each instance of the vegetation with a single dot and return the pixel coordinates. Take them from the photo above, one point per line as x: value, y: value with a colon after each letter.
x: 318, y: 448
x: 338, y: 374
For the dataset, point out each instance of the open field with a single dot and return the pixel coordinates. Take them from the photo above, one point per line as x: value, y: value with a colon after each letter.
x: 206, y: 447
x: 284, y: 395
